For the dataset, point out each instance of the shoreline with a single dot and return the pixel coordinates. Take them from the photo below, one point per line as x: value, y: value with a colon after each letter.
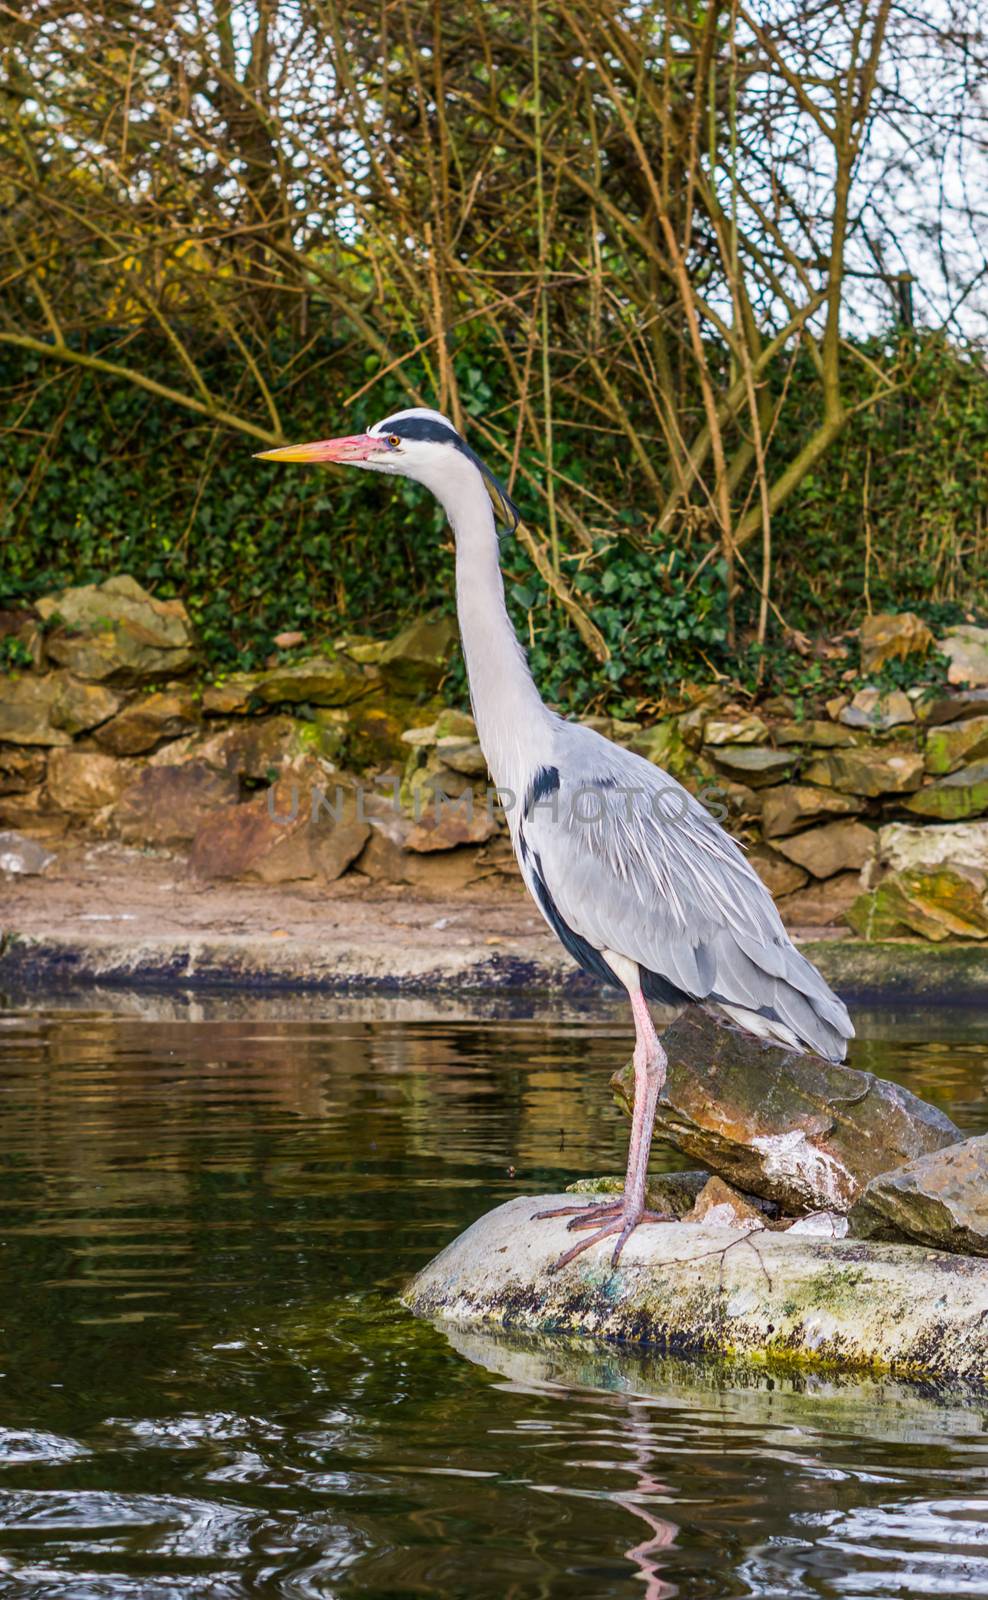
x: 117, y: 918
x: 346, y: 964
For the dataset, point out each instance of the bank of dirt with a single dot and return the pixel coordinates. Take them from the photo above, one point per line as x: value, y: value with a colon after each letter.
x: 108, y: 914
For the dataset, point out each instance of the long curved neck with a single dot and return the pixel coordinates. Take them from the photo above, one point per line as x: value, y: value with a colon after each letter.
x: 506, y: 704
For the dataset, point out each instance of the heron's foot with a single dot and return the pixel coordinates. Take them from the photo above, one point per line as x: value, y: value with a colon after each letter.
x: 605, y: 1221
x: 586, y: 1214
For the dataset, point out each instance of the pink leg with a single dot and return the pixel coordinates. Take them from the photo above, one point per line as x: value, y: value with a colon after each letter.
x: 623, y: 1216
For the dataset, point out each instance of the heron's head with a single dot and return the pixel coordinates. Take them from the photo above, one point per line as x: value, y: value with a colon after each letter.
x: 417, y: 444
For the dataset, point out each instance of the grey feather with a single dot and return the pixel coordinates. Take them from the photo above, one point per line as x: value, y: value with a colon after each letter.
x: 635, y: 865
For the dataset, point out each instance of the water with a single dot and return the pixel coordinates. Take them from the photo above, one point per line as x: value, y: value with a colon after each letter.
x: 209, y: 1389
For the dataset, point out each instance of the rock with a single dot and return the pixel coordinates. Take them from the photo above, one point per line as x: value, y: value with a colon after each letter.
x: 940, y: 1200
x: 420, y: 738
x: 85, y: 780
x: 740, y: 803
x: 790, y: 1127
x: 755, y: 765
x: 892, y: 636
x: 118, y: 633
x: 682, y: 1288
x: 79, y: 707
x: 414, y: 662
x: 955, y: 707
x: 664, y: 745
x: 956, y: 745
x: 26, y: 708
x: 428, y: 787
x: 372, y: 736
x: 147, y: 721
x: 967, y: 650
x: 824, y: 735
x: 323, y: 681
x: 31, y: 810
x: 255, y: 749
x: 901, y: 845
x: 301, y: 828
x: 720, y: 1206
x: 288, y: 641
x: 795, y: 805
x: 20, y: 857
x: 876, y: 711
x: 834, y: 847
x: 822, y: 904
x: 673, y: 1192
x: 618, y: 729
x: 734, y: 730
x: 867, y: 771
x: 233, y: 696
x: 329, y: 732
x: 690, y: 725
x: 49, y: 710
x: 777, y: 874
x: 496, y: 863
x: 451, y: 724
x: 961, y: 794
x: 936, y: 902
x: 167, y: 804
x: 835, y: 706
x: 461, y: 756
x: 363, y: 648
x: 824, y: 1224
x: 384, y: 858
x: 453, y: 737
x: 451, y: 823
x: 21, y: 768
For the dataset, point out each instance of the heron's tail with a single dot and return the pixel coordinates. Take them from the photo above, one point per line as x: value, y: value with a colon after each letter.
x: 774, y: 992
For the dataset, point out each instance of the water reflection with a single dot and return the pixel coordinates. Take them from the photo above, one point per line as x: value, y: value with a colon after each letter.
x: 882, y: 1435
x: 207, y: 1387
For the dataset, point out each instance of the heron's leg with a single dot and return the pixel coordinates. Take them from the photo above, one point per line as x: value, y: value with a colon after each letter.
x: 622, y: 1217
x: 650, y: 1076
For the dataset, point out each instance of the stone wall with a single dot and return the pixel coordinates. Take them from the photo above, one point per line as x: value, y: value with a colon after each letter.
x: 869, y: 814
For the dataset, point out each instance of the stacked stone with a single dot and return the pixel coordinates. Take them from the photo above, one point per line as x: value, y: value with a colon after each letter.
x: 342, y: 758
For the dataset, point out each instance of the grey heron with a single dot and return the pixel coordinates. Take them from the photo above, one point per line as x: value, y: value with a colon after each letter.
x: 635, y: 877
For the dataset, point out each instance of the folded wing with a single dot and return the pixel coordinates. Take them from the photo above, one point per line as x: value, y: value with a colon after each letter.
x: 620, y: 857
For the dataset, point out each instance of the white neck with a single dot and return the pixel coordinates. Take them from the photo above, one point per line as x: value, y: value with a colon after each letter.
x: 507, y: 706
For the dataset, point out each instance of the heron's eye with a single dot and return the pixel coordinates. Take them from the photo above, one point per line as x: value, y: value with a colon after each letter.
x: 394, y: 441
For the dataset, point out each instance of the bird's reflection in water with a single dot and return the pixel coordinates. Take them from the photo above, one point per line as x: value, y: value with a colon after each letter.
x: 662, y: 1533
x: 529, y: 1368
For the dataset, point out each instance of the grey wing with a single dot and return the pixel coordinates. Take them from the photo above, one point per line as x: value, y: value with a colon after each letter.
x: 627, y: 860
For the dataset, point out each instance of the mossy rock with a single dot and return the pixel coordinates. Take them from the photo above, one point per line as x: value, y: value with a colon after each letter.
x: 937, y: 903
x: 956, y: 745
x: 414, y: 662
x: 961, y: 794
x: 664, y: 745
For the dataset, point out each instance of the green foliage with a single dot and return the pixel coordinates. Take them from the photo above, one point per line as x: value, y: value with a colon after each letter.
x: 14, y: 654
x: 104, y: 478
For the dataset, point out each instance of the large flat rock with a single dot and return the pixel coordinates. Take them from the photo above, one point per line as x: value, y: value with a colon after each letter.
x: 689, y: 1288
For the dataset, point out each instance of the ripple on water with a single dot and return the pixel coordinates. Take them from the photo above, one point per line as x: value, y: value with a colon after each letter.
x: 207, y: 1387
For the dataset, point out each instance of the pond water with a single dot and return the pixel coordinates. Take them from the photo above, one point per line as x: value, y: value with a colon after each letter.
x: 208, y: 1387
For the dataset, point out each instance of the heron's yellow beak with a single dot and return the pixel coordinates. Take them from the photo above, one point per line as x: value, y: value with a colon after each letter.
x: 356, y: 447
